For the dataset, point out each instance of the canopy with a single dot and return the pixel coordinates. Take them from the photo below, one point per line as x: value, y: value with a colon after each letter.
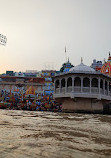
x: 30, y: 90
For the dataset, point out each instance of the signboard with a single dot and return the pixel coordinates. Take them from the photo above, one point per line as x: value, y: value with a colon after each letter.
x: 3, y: 39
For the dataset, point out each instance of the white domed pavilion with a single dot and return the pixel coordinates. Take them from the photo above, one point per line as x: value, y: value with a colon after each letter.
x: 82, y: 89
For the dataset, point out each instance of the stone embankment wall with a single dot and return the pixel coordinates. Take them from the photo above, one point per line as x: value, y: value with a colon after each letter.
x: 85, y: 105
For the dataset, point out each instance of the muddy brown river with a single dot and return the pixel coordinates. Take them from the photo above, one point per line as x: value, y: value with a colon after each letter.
x: 32, y: 134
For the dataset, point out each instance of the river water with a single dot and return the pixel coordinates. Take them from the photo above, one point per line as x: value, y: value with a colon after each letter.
x: 32, y: 134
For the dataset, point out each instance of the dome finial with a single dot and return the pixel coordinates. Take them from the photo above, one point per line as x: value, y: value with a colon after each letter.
x: 81, y: 60
x: 68, y: 59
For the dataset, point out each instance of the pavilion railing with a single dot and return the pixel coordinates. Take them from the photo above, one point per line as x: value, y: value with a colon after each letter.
x: 94, y: 90
x: 86, y: 89
x: 69, y: 89
x: 77, y: 89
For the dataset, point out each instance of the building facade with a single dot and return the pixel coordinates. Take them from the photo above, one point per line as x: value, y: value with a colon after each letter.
x: 13, y: 83
x: 48, y: 86
x: 97, y: 65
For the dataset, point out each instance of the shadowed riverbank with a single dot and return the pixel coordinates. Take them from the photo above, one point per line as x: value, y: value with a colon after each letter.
x: 47, y: 134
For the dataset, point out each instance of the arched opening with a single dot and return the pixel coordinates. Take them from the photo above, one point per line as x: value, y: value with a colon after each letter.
x: 106, y: 85
x: 101, y: 84
x: 77, y: 81
x: 94, y: 82
x: 69, y: 82
x: 109, y: 86
x: 106, y: 88
x: 57, y: 84
x: 62, y: 83
x: 86, y: 82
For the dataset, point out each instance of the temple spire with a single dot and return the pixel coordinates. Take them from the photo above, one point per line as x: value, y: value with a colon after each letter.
x: 81, y: 60
x: 68, y: 59
x: 109, y: 58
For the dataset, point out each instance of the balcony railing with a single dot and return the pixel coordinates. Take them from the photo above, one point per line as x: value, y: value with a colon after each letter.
x: 106, y: 93
x: 77, y: 89
x: 57, y: 90
x: 94, y: 90
x: 86, y: 89
x: 63, y: 90
x: 101, y: 91
x: 69, y: 89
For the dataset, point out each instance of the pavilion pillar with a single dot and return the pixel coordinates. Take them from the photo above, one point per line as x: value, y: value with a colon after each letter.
x: 99, y: 84
x: 81, y: 84
x: 108, y: 87
x: 54, y: 86
x: 65, y: 85
x: 90, y: 83
x: 60, y: 86
x: 72, y: 84
x: 104, y: 86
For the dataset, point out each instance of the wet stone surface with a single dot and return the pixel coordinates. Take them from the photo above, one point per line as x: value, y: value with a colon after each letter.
x: 54, y: 135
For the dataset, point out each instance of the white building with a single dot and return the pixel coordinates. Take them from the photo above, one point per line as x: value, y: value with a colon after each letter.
x: 82, y: 89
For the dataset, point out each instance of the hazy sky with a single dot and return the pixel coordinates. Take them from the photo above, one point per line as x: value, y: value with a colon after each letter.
x: 38, y: 30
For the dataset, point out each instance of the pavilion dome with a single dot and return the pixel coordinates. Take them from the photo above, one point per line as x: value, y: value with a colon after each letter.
x: 82, y: 68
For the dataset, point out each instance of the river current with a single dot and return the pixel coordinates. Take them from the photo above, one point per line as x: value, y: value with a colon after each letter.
x: 32, y: 134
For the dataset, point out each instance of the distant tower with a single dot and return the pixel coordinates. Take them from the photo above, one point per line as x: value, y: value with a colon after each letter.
x: 66, y: 66
x: 81, y: 60
x: 109, y: 59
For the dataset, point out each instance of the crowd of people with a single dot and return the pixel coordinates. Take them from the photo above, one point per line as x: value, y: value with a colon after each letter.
x: 39, y: 102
